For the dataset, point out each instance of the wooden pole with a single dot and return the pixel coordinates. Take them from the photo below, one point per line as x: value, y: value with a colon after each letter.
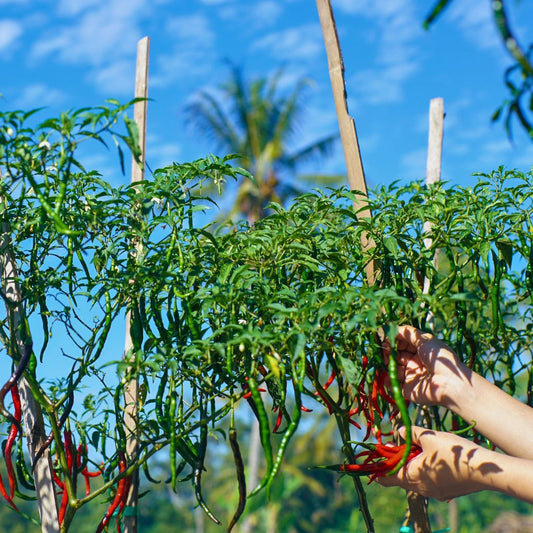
x: 131, y: 388
x: 354, y: 164
x: 417, y: 504
x: 31, y: 410
x: 350, y: 143
x: 434, y: 161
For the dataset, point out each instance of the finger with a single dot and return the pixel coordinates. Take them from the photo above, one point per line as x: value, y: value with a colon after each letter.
x: 413, y: 337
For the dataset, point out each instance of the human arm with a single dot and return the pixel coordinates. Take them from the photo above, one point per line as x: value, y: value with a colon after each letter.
x: 450, y: 466
x: 432, y: 374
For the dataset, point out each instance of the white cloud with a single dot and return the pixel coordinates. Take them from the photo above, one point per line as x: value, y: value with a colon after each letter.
x: 192, y: 29
x: 108, y: 31
x: 300, y: 43
x: 414, y: 163
x: 264, y: 13
x: 193, y: 51
x: 73, y: 7
x: 396, y: 55
x: 160, y: 154
x: 38, y: 95
x: 116, y: 78
x: 10, y: 31
x: 475, y: 20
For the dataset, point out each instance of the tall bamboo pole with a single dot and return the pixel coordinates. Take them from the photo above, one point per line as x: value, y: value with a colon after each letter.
x: 348, y: 132
x: 31, y: 410
x: 418, y: 504
x: 131, y: 387
x: 354, y: 164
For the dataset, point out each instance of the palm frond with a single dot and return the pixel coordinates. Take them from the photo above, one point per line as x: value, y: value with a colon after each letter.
x: 318, y: 149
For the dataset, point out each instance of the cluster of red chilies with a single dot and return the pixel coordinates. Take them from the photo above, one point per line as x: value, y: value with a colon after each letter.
x: 11, y: 438
x: 77, y: 464
x: 377, y: 459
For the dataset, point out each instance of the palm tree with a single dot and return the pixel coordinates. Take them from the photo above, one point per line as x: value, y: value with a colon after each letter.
x: 256, y: 121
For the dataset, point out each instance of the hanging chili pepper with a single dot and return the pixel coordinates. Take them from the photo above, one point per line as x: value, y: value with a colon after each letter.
x: 11, y: 439
x: 202, y: 446
x: 241, y: 479
x: 82, y: 460
x: 69, y: 453
x: 23, y: 363
x: 328, y: 383
x: 119, y: 495
x: 278, y: 419
x: 264, y: 432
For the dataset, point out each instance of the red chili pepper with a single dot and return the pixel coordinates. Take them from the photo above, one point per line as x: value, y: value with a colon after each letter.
x: 69, y: 452
x: 330, y: 380
x: 379, y: 460
x: 278, y: 419
x: 11, y: 439
x: 305, y: 409
x: 120, y: 495
x: 84, y: 471
x: 248, y: 394
x: 123, y: 502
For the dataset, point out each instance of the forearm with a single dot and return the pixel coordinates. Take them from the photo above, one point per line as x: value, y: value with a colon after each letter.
x: 506, y: 474
x: 498, y: 416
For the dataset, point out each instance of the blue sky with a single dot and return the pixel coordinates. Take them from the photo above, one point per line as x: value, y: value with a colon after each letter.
x: 65, y: 54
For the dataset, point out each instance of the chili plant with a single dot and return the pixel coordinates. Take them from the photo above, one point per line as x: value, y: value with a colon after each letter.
x: 220, y: 314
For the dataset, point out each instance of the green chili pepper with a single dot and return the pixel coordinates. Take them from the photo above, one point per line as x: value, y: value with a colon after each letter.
x: 264, y: 432
x: 202, y: 446
x: 289, y: 432
x: 399, y: 399
x: 241, y: 479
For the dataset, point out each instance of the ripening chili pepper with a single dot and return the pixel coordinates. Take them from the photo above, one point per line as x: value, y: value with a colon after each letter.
x: 305, y: 409
x: 278, y: 419
x: 23, y: 363
x: 69, y: 453
x: 248, y: 394
x: 119, y: 495
x: 330, y: 380
x: 13, y: 432
x: 379, y: 460
x: 83, y: 470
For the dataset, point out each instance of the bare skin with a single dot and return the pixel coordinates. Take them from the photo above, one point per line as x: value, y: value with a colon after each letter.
x: 450, y: 466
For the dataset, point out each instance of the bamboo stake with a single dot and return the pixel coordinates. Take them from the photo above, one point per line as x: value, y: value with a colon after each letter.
x: 31, y: 411
x: 433, y: 165
x: 354, y: 164
x: 417, y: 504
x: 131, y: 388
x: 350, y: 143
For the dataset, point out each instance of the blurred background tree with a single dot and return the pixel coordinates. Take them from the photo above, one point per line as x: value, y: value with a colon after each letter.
x: 258, y: 120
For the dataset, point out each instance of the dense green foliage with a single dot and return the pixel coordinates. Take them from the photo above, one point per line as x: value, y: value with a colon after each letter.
x: 219, y: 313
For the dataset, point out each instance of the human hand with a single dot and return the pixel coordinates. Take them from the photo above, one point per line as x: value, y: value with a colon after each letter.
x: 427, y: 368
x: 448, y: 466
